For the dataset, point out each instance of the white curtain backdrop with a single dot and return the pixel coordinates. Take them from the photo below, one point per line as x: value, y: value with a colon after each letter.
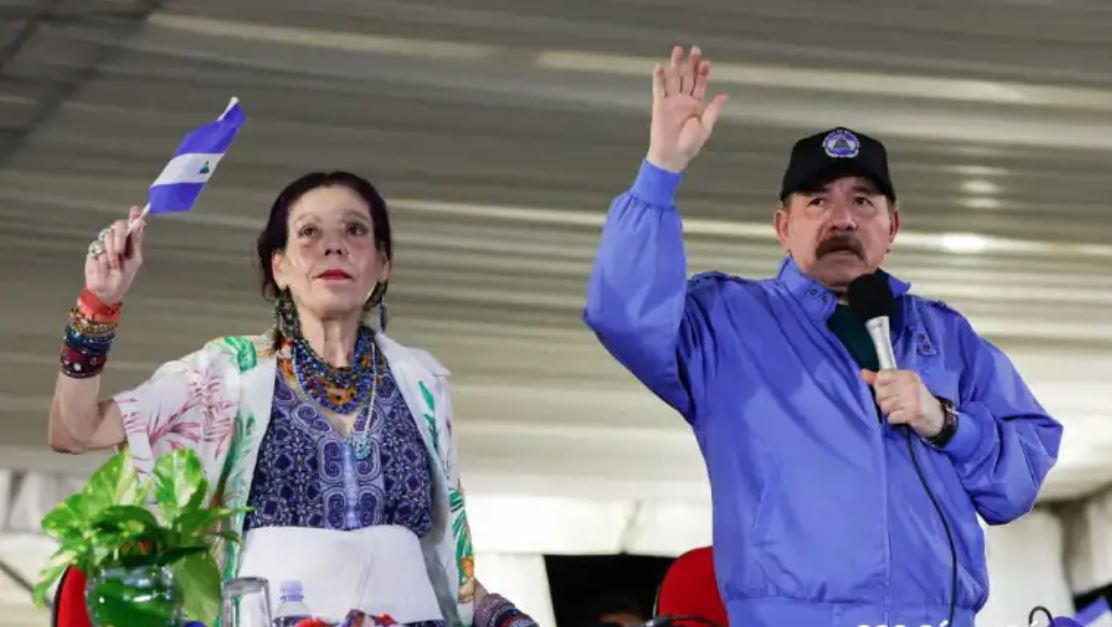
x: 1089, y: 549
x: 1025, y: 569
x: 521, y: 578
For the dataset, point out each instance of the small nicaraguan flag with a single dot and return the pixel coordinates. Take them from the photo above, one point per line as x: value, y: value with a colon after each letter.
x: 185, y: 176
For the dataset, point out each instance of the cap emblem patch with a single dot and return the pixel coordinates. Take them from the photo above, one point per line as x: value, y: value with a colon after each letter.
x: 841, y: 144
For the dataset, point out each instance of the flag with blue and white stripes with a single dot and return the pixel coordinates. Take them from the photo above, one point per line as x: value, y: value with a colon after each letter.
x: 185, y: 175
x: 1096, y: 614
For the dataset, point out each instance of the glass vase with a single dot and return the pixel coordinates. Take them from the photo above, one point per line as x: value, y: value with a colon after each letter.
x: 140, y: 596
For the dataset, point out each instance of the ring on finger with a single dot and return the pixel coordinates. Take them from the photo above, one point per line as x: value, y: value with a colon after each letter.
x: 96, y: 249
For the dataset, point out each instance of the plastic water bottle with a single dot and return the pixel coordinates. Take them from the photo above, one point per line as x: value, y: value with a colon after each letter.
x: 291, y: 605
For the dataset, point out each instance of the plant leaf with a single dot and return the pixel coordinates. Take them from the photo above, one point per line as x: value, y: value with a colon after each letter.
x: 127, y: 535
x: 57, y: 564
x: 199, y: 581
x: 115, y: 482
x: 129, y: 490
x: 179, y: 483
x: 77, y: 546
x: 127, y: 519
x: 173, y: 555
x: 68, y: 519
x: 122, y: 532
x: 198, y: 521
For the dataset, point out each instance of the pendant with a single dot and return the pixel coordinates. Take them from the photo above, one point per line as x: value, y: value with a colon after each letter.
x: 362, y: 448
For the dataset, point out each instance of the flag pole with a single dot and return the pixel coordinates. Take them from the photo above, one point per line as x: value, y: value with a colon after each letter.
x: 132, y: 224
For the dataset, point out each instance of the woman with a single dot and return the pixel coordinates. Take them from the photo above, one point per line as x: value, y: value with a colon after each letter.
x: 338, y: 438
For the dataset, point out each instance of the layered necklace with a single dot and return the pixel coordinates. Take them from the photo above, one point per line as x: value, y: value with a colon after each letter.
x: 342, y: 390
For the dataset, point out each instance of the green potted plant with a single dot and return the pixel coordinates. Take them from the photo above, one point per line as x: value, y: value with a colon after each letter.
x: 144, y: 568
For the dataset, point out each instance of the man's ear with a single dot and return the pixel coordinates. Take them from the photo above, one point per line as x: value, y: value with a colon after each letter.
x: 780, y: 219
x: 894, y: 227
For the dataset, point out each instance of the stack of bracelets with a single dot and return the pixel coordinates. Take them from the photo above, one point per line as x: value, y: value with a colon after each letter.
x: 89, y: 335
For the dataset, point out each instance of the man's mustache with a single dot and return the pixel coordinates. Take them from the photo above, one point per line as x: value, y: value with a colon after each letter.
x: 840, y: 243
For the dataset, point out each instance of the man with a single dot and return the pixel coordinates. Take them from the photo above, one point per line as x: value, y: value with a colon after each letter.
x: 821, y: 516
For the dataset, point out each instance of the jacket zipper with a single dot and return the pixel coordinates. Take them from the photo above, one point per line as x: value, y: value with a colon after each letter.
x: 841, y: 349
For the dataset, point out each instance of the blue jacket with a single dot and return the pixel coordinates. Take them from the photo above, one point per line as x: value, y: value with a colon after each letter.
x: 819, y: 515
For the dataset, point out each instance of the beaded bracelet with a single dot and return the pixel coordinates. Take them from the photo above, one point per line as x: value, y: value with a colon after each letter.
x: 85, y: 326
x: 81, y: 364
x: 94, y: 343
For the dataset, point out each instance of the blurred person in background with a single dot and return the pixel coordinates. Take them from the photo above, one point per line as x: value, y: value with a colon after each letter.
x: 843, y: 494
x: 339, y: 439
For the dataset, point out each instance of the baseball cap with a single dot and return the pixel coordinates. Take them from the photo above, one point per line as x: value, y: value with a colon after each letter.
x: 818, y: 159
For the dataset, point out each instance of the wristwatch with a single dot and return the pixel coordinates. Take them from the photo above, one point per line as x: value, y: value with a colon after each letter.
x: 949, y: 424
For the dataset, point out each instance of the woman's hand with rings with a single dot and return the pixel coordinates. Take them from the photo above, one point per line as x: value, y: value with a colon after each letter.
x: 114, y: 258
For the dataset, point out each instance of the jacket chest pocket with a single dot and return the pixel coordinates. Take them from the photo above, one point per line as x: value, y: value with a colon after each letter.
x: 922, y: 353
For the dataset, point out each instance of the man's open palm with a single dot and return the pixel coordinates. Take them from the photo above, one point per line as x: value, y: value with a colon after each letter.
x: 681, y: 120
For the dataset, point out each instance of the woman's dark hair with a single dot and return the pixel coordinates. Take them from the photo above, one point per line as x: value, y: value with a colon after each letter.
x: 276, y: 233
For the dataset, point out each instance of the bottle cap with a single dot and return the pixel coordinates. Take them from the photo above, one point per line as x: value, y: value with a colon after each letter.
x: 292, y: 590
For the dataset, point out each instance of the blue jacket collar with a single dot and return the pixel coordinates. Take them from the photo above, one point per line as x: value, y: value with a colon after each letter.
x: 815, y: 297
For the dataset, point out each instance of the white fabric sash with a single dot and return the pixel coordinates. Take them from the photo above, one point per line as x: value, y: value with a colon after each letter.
x: 379, y: 570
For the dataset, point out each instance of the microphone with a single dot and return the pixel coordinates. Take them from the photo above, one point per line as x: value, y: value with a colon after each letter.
x: 871, y: 300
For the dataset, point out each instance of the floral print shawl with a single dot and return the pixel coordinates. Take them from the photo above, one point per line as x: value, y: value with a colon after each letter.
x: 217, y: 401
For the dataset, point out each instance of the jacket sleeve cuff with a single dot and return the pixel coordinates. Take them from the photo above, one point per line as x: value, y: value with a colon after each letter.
x: 967, y: 437
x: 656, y: 186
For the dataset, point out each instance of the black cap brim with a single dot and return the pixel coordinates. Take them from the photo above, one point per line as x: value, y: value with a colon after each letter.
x: 817, y: 180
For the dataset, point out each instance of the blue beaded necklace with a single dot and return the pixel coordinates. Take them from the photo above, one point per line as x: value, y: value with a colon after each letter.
x: 318, y: 378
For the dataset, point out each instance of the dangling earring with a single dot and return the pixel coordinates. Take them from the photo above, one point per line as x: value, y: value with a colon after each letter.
x: 285, y: 315
x: 377, y: 298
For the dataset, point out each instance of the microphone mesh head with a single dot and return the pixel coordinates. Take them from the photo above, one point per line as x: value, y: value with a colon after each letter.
x: 870, y: 296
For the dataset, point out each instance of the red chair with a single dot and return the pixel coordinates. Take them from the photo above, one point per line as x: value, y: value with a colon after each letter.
x: 69, y: 601
x: 690, y: 589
